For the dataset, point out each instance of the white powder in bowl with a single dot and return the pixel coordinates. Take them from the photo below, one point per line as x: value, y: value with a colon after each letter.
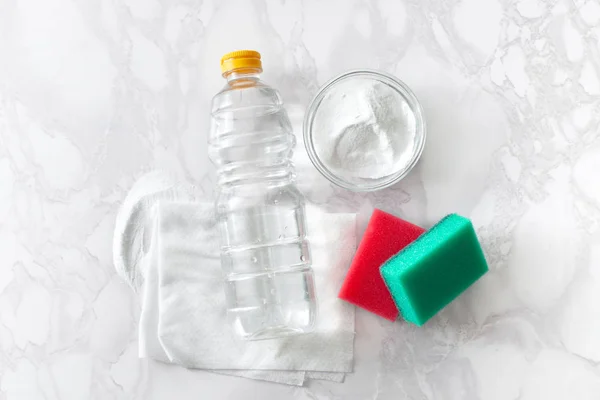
x: 363, y: 129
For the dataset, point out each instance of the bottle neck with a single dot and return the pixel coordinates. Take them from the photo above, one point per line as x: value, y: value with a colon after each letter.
x: 243, y: 75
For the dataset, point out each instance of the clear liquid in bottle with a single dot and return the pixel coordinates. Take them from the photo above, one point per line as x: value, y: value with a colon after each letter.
x: 265, y: 254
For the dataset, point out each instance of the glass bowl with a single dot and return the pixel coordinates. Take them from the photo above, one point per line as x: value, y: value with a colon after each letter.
x: 344, y: 99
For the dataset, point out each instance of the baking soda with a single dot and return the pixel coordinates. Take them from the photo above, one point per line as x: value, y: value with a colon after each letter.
x: 364, y: 129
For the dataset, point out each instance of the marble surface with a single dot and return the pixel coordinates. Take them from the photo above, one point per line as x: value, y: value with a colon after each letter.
x: 95, y: 93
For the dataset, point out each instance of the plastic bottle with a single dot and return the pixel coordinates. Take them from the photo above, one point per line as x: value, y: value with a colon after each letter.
x: 265, y: 256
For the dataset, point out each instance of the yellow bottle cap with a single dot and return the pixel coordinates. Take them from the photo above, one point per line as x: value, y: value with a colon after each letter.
x: 239, y: 60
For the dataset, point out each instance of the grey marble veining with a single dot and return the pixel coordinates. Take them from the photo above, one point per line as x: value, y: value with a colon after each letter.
x: 95, y: 93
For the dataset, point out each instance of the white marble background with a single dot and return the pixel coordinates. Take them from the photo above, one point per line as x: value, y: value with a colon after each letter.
x: 95, y: 93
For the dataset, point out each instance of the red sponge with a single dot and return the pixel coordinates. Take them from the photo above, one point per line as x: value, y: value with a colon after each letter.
x: 385, y: 236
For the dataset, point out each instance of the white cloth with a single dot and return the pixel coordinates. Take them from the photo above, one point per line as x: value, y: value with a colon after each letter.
x: 193, y: 328
x: 131, y: 241
x: 151, y: 347
x: 183, y: 311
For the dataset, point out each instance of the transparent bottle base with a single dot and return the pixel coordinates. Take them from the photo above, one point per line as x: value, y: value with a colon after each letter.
x: 265, y: 306
x: 272, y: 320
x: 274, y: 333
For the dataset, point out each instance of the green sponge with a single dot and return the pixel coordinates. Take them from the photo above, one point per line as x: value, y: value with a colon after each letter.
x: 434, y: 269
